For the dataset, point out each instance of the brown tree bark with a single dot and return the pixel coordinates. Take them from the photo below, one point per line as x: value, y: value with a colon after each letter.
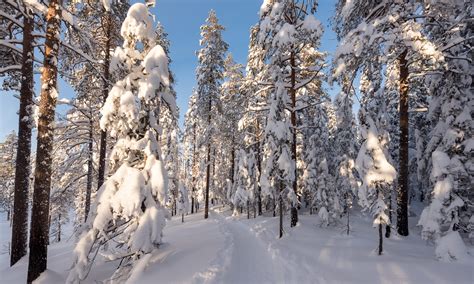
x: 294, y: 210
x: 105, y: 92
x: 22, y: 168
x: 42, y: 186
x: 402, y: 193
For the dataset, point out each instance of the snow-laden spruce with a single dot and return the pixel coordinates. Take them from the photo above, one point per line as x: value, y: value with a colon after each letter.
x: 345, y: 152
x: 209, y: 75
x: 278, y: 173
x: 450, y: 212
x: 376, y: 35
x: 377, y: 175
x: 183, y: 201
x: 241, y: 195
x: 289, y: 35
x: 128, y: 216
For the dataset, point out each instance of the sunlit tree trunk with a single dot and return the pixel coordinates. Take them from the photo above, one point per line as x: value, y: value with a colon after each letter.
x: 42, y: 185
x: 22, y: 168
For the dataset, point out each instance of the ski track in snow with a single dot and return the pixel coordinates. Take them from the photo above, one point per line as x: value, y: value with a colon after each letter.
x: 249, y: 261
x: 220, y: 264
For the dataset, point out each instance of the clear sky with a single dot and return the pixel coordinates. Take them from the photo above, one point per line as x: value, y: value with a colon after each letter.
x: 182, y: 19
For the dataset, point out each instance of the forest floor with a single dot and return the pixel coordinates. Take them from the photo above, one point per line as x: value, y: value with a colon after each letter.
x: 229, y: 249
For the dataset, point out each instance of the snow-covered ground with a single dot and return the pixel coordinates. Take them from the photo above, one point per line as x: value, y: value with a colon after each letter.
x: 226, y: 249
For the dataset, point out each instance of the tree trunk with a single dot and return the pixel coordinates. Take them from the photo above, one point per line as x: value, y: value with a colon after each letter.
x: 42, y: 186
x: 294, y: 211
x: 259, y: 188
x: 22, y: 168
x: 208, y: 168
x: 380, y: 237
x: 402, y: 194
x: 348, y: 227
x: 182, y: 217
x: 105, y: 93
x: 192, y: 170
x: 232, y: 163
x: 254, y: 210
x: 208, y: 172
x: 90, y: 164
x: 248, y: 209
x: 274, y: 207
x: 213, y: 173
x: 388, y: 229
x: 58, y: 236
x: 281, y: 214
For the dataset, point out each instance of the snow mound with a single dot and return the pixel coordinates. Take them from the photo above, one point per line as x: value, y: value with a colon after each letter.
x: 451, y: 247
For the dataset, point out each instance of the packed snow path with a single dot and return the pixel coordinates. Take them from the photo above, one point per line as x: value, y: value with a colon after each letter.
x: 217, y: 250
x: 249, y: 260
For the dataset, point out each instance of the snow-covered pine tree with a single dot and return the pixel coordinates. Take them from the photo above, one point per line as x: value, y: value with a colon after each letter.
x: 169, y: 114
x: 209, y: 79
x: 231, y: 138
x: 418, y: 142
x: 450, y: 211
x: 240, y: 198
x: 310, y: 174
x: 254, y: 112
x: 183, y: 201
x: 8, y: 150
x: 74, y: 162
x: 190, y: 149
x: 129, y: 208
x: 346, y: 151
x: 90, y: 76
x: 288, y: 33
x: 325, y: 196
x: 69, y: 170
x: 254, y: 173
x: 386, y: 32
x: 377, y: 175
x: 279, y: 169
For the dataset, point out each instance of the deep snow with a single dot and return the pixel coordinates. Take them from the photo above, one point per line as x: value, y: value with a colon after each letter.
x: 226, y: 249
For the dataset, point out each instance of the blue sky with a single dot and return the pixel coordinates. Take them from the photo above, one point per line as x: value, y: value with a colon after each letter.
x: 182, y: 19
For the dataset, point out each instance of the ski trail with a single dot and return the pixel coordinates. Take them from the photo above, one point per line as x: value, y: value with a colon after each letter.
x: 249, y: 260
x: 221, y: 262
